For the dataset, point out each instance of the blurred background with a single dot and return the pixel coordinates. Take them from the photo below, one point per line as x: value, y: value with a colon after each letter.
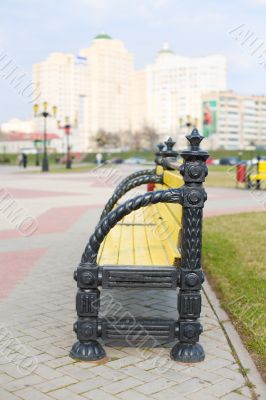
x: 117, y: 78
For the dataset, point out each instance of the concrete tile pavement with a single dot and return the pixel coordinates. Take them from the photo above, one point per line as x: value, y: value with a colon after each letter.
x: 38, y: 313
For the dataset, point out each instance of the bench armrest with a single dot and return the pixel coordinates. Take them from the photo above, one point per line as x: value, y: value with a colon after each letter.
x: 127, y: 186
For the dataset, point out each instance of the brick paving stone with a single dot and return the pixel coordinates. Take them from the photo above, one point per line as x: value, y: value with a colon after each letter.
x: 56, y: 383
x: 47, y: 372
x: 109, y: 373
x: 99, y: 394
x: 138, y: 373
x: 65, y: 394
x: 5, y: 395
x: 206, y: 376
x: 234, y: 396
x: 76, y: 372
x: 32, y: 394
x: 214, y: 364
x: 93, y: 383
x: 184, y: 388
x: 200, y: 395
x: 246, y: 392
x: 156, y: 386
x: 21, y: 383
x: 4, y: 378
x: 228, y: 373
x: 220, y: 389
x: 12, y: 370
x: 123, y: 362
x: 58, y: 362
x: 121, y: 385
x: 133, y: 395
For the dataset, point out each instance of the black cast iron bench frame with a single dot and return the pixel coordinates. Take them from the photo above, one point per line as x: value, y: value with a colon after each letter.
x: 188, y: 278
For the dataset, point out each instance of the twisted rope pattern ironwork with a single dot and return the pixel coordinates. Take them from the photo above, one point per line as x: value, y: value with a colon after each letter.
x: 131, y: 184
x: 160, y: 196
x: 135, y: 175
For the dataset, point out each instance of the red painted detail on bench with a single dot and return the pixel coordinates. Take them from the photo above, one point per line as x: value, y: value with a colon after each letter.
x: 241, y: 173
x: 150, y: 187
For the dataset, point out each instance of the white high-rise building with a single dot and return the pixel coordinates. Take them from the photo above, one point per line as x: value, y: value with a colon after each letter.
x: 93, y: 87
x: 110, y: 67
x: 173, y: 88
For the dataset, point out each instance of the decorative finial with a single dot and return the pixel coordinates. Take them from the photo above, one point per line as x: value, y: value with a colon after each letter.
x: 194, y: 138
x: 169, y: 144
x: 160, y: 146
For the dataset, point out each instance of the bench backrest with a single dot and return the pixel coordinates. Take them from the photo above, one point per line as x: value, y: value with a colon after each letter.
x: 172, y: 213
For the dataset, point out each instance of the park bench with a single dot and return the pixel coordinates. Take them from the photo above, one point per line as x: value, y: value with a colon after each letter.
x: 152, y: 240
x: 255, y: 179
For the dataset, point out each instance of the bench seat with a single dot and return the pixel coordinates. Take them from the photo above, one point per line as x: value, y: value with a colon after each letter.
x: 258, y: 177
x: 149, y: 236
x: 261, y: 173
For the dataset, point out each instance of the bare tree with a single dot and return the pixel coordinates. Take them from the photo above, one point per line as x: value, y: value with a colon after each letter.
x: 146, y: 138
x: 104, y: 139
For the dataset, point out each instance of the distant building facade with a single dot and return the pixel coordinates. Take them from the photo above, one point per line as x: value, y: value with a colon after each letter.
x: 25, y: 136
x: 173, y: 87
x: 93, y: 87
x: 233, y: 121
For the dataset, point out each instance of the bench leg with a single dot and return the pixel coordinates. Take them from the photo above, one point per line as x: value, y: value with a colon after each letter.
x: 188, y: 350
x: 87, y: 348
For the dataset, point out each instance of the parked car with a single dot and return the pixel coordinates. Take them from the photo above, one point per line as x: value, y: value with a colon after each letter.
x: 116, y: 161
x: 135, y: 160
x: 210, y: 161
x: 229, y: 160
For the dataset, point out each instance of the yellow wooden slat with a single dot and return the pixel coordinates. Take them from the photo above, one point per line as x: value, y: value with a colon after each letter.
x: 157, y: 252
x: 109, y: 253
x: 262, y: 167
x: 173, y: 179
x: 141, y: 250
x: 159, y: 169
x: 257, y: 177
x: 168, y: 231
x: 176, y: 211
x: 126, y: 246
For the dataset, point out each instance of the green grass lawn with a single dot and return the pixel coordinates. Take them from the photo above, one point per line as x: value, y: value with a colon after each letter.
x: 234, y: 259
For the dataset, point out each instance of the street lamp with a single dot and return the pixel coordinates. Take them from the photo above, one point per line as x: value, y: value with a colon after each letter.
x: 67, y: 128
x: 45, y: 114
x: 188, y: 123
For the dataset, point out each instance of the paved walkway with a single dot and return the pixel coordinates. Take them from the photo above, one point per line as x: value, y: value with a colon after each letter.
x: 37, y: 309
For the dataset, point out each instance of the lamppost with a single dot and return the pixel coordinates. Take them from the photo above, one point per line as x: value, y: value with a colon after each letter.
x: 67, y: 129
x: 188, y: 123
x: 37, y: 158
x: 45, y: 114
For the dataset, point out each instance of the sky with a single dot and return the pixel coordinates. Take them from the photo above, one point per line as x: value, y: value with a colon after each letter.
x: 31, y: 29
